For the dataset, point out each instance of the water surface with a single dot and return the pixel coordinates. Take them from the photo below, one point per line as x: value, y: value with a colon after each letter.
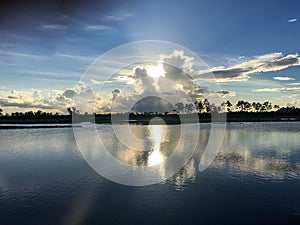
x: 253, y: 180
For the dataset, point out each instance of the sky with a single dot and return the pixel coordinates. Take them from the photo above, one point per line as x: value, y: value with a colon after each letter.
x: 251, y: 48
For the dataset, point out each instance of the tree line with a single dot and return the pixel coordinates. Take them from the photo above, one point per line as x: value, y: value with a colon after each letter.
x: 199, y: 106
x: 204, y: 106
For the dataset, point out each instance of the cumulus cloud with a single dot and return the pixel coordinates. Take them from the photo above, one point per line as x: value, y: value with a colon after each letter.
x: 170, y: 80
x: 242, y: 71
x: 277, y: 89
x: 283, y: 78
x: 153, y: 104
x: 148, y: 87
x: 57, y: 101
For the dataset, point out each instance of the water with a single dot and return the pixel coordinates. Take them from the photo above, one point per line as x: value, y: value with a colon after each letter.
x: 253, y: 180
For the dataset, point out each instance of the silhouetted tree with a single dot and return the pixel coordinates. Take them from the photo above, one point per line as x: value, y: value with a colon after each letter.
x: 179, y: 107
x: 72, y: 110
x: 240, y: 105
x: 199, y: 106
x: 276, y: 107
x: 38, y: 113
x: 206, y: 105
x: 266, y: 106
x: 257, y: 106
x: 214, y: 108
x: 202, y: 106
x: 228, y: 106
x: 1, y: 112
x: 189, y: 107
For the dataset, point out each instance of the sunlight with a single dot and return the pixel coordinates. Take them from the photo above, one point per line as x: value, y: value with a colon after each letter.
x: 156, y: 71
x: 157, y: 134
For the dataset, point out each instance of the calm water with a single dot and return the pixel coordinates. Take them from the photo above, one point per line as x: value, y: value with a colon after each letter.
x: 253, y: 180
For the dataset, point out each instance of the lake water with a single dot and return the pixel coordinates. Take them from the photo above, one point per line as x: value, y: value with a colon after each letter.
x: 253, y: 180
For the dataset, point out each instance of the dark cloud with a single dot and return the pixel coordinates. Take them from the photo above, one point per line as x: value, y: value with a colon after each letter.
x: 224, y: 93
x: 21, y: 16
x: 153, y: 104
x: 69, y: 93
x: 24, y: 105
x: 115, y: 93
x: 287, y: 61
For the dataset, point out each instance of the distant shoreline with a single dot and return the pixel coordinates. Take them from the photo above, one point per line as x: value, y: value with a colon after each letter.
x: 8, y: 127
x: 66, y: 121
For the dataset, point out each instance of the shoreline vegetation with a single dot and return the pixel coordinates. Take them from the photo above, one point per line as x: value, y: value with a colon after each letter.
x: 64, y: 121
x: 199, y: 112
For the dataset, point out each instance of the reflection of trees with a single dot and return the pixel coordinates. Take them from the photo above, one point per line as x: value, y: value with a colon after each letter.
x: 268, y: 167
x: 186, y: 174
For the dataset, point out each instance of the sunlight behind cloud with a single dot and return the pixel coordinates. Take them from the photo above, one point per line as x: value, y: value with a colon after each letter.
x: 156, y: 71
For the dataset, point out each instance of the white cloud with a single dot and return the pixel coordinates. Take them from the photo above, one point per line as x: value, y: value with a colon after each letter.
x: 293, y: 20
x: 20, y: 54
x: 96, y: 27
x: 277, y: 89
x: 52, y: 27
x: 242, y: 71
x: 55, y: 100
x: 293, y: 84
x: 174, y: 84
x: 76, y: 57
x: 283, y: 78
x: 118, y: 16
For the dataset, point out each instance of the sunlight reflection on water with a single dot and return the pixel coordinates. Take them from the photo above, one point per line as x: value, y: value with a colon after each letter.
x: 43, y: 177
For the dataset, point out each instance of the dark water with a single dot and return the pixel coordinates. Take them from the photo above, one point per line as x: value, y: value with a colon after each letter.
x: 253, y: 180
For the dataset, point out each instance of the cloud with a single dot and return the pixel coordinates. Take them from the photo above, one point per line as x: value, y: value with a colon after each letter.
x: 277, y: 89
x: 283, y: 78
x: 52, y: 27
x: 115, y: 93
x: 242, y: 71
x: 226, y: 93
x: 19, y: 54
x: 167, y: 83
x: 69, y: 93
x: 293, y: 20
x: 96, y: 27
x: 75, y: 57
x: 153, y: 104
x: 293, y: 84
x: 57, y: 101
x: 118, y: 16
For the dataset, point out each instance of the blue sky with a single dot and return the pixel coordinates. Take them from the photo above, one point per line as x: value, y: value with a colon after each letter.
x: 46, y: 46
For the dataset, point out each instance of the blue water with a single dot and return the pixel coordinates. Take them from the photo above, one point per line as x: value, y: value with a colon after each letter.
x: 253, y: 180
